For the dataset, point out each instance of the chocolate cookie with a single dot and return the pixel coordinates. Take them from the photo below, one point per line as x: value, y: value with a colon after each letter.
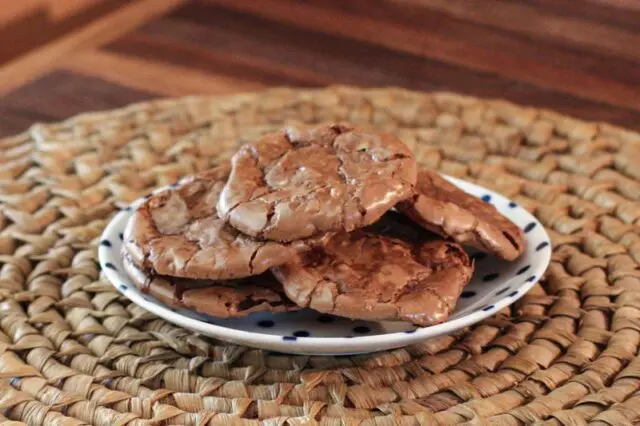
x: 443, y: 208
x: 177, y: 232
x: 363, y: 275
x: 301, y: 182
x: 222, y: 299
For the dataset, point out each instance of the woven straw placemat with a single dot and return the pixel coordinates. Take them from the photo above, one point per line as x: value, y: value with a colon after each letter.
x: 73, y: 351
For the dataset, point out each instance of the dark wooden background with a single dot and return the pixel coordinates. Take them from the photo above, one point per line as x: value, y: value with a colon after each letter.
x: 581, y: 57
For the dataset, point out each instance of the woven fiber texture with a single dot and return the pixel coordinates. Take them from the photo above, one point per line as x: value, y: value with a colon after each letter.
x: 73, y: 351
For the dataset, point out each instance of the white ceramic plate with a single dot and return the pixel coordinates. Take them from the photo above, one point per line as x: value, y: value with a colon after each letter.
x: 495, y: 285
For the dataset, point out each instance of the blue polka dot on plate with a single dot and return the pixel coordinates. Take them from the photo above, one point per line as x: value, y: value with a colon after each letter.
x: 486, y: 198
x: 266, y: 323
x: 529, y: 227
x: 467, y: 294
x: 542, y: 245
x: 301, y: 333
x: 105, y: 243
x: 477, y: 257
x: 523, y: 270
x: 490, y: 277
x: 325, y: 319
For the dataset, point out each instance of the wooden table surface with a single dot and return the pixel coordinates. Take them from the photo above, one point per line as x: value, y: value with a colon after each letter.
x: 581, y: 57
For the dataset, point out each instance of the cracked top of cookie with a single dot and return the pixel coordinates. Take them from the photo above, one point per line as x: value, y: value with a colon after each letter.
x: 445, y: 209
x: 221, y: 299
x: 369, y: 276
x: 178, y: 232
x: 302, y: 182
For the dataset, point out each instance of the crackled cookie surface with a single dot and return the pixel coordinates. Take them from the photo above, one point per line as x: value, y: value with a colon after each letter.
x: 178, y: 232
x: 221, y: 299
x: 369, y: 276
x: 443, y: 208
x: 301, y: 182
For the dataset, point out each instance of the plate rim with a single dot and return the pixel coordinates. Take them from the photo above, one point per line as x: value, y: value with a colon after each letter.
x: 311, y: 344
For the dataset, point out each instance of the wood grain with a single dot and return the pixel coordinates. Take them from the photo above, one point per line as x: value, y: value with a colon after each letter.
x: 580, y: 57
x: 33, y: 23
x: 140, y: 73
x: 361, y: 22
x: 109, y: 27
x: 56, y: 10
x: 62, y: 94
x: 564, y: 29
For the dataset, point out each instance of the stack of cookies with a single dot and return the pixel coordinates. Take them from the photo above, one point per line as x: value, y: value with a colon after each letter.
x: 329, y: 217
